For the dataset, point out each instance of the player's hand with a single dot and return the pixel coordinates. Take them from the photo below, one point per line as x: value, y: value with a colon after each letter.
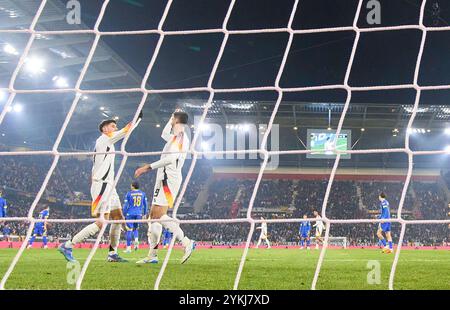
x: 142, y: 170
x: 140, y: 115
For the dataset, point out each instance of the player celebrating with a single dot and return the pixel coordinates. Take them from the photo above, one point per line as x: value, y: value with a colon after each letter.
x: 386, y: 226
x: 263, y: 235
x: 134, y: 207
x: 167, y: 237
x: 3, y: 205
x: 40, y: 228
x: 305, y: 228
x: 319, y: 229
x: 168, y: 182
x: 104, y: 196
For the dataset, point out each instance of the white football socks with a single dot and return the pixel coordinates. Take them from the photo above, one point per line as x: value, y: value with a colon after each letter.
x: 175, y: 229
x: 85, y: 233
x: 154, y: 235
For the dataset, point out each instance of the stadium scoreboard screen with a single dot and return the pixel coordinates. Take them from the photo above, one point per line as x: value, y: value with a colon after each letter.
x: 320, y: 142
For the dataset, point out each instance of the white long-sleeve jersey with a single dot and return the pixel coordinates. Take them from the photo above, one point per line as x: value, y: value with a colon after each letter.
x: 103, y: 168
x: 170, y: 164
x: 319, y: 224
x: 263, y: 228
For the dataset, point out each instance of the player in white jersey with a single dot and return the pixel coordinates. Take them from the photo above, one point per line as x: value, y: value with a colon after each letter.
x: 168, y: 182
x: 104, y: 195
x: 319, y: 229
x: 263, y: 235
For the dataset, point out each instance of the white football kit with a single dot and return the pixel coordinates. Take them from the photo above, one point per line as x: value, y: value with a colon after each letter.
x: 104, y: 195
x: 169, y: 176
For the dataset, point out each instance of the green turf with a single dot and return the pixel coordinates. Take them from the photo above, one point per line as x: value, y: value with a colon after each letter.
x: 216, y: 269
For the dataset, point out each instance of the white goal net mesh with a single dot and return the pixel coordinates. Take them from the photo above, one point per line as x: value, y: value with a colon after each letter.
x: 263, y: 151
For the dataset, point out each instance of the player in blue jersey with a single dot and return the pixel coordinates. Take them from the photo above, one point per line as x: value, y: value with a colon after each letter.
x: 3, y: 206
x: 135, y: 207
x: 386, y: 226
x: 40, y: 228
x: 167, y: 237
x: 304, y: 231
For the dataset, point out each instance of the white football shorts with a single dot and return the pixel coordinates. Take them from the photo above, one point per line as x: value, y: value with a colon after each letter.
x: 100, y: 200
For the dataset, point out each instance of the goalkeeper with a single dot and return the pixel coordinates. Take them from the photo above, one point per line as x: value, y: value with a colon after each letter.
x: 168, y: 182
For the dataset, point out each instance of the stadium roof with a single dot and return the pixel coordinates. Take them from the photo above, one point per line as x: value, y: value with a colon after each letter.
x: 64, y: 56
x: 57, y: 59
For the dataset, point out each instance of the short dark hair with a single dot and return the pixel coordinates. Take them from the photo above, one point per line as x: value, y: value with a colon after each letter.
x: 182, y: 117
x: 382, y: 195
x: 135, y: 184
x: 105, y: 123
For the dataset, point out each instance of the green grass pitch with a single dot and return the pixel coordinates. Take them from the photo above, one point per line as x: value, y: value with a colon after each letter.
x: 291, y: 269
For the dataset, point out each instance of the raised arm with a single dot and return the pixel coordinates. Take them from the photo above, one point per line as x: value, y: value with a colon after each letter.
x: 120, y: 134
x: 167, y: 131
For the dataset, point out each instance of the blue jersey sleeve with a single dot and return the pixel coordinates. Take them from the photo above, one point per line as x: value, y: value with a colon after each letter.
x: 2, y: 207
x: 385, y: 214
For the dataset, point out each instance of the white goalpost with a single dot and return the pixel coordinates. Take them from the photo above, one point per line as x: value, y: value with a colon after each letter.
x: 334, y: 241
x: 263, y: 150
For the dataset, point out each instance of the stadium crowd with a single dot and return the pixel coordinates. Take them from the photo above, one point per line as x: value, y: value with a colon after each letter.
x: 22, y: 177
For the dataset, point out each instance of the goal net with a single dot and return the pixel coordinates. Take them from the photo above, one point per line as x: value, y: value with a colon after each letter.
x: 57, y: 154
